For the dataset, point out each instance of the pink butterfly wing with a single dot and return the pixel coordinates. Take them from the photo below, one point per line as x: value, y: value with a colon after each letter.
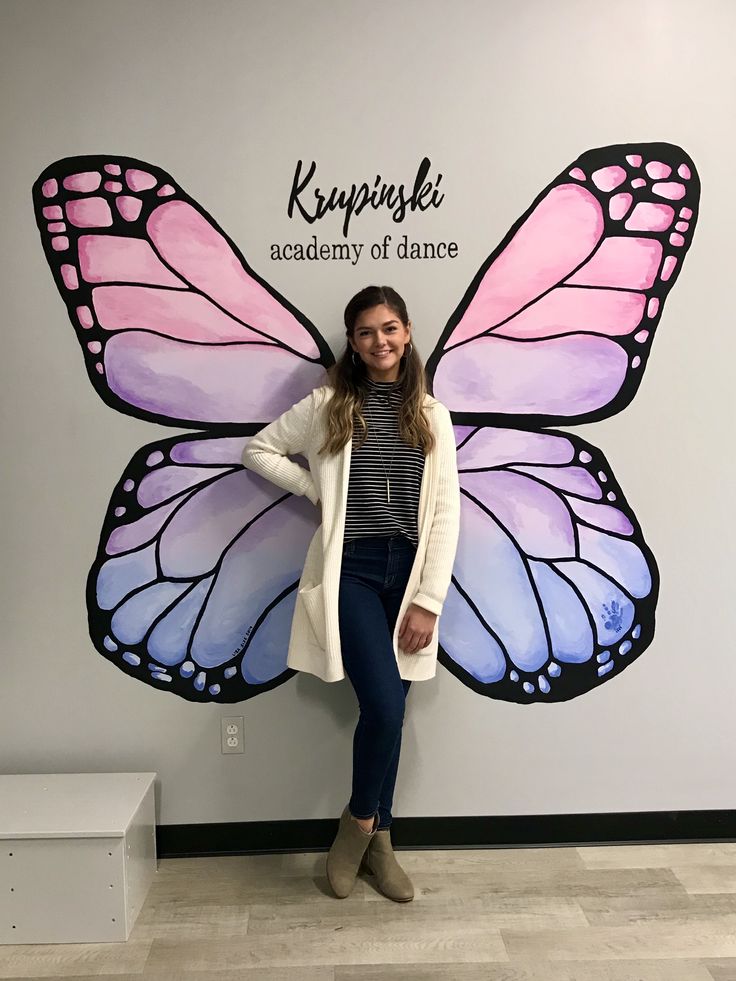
x: 194, y: 583
x: 553, y: 588
x: 174, y: 325
x: 558, y: 323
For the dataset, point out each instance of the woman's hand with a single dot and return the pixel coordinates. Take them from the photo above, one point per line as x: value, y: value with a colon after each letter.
x: 417, y: 628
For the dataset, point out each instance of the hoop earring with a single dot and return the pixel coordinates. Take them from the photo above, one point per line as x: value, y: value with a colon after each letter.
x: 405, y: 355
x: 356, y: 363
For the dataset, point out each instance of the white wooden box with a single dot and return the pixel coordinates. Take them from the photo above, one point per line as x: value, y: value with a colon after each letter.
x: 77, y: 855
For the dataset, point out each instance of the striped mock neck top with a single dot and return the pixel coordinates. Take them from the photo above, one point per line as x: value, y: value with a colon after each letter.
x: 369, y: 513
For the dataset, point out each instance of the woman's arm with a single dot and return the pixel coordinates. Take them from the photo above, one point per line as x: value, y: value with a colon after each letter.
x: 266, y: 452
x: 445, y: 530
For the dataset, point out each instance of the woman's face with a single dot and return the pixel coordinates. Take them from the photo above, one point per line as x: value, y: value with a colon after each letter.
x: 379, y: 338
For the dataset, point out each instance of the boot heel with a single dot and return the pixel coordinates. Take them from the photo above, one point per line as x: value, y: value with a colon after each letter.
x: 391, y: 879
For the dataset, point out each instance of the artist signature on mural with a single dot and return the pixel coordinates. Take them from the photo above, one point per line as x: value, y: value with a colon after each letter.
x: 244, y: 643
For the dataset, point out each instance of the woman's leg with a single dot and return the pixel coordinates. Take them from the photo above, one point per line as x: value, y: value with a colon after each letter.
x: 386, y: 795
x: 370, y: 664
x: 397, y: 575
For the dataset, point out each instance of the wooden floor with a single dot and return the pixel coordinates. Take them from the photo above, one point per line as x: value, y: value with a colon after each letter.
x: 619, y: 913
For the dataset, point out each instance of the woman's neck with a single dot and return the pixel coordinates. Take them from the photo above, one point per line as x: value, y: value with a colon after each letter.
x: 382, y: 384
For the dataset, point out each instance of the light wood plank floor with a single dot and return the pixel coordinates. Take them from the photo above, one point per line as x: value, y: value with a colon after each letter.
x: 618, y: 913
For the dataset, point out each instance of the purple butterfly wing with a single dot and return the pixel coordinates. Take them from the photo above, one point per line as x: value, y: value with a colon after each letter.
x: 173, y: 324
x: 194, y: 583
x: 193, y: 586
x: 558, y: 323
x: 553, y: 589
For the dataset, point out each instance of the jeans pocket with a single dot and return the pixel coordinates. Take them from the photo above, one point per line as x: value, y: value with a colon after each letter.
x: 313, y: 599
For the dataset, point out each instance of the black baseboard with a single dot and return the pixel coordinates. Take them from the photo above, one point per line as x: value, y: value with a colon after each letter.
x: 519, y: 831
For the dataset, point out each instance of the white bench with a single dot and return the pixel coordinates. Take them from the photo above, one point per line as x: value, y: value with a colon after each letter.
x: 77, y: 855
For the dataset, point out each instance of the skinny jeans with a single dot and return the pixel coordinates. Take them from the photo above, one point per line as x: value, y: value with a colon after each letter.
x: 373, y: 579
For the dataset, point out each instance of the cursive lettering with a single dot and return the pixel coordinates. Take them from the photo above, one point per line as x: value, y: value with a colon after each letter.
x: 423, y: 195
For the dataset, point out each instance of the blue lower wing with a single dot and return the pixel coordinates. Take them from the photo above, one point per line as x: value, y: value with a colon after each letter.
x: 554, y: 589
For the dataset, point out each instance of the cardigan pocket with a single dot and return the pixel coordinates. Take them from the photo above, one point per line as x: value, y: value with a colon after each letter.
x: 313, y: 599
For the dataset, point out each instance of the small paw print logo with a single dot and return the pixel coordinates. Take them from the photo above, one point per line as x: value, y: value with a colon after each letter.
x: 612, y: 616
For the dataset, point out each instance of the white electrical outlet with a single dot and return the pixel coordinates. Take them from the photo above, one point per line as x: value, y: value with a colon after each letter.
x: 231, y: 734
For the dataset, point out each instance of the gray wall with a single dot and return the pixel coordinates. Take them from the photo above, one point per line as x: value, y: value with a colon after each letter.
x: 228, y: 96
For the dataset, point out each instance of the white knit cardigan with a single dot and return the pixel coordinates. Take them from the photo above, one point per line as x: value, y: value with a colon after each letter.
x: 314, y: 644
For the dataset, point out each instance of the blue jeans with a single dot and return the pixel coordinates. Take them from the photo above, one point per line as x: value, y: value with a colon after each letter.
x: 373, y: 580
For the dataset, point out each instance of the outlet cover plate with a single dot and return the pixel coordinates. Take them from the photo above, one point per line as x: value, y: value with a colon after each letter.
x: 231, y: 728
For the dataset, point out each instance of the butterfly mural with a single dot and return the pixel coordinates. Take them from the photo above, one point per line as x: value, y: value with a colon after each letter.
x: 193, y: 585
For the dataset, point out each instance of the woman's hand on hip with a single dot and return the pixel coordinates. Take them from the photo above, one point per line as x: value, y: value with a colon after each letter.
x: 417, y: 628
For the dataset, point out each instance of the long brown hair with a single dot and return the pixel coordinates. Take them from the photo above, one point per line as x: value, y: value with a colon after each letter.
x: 349, y: 381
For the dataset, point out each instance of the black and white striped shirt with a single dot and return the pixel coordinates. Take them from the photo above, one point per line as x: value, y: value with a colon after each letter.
x: 368, y: 512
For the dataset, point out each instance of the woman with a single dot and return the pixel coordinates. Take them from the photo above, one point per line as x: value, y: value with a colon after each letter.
x: 382, y: 462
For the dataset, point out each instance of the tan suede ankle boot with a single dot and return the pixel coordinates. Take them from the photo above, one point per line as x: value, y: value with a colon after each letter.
x: 348, y: 848
x: 379, y: 859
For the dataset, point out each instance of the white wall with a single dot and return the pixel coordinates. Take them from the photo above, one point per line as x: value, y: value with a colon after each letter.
x: 228, y: 96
